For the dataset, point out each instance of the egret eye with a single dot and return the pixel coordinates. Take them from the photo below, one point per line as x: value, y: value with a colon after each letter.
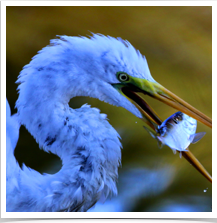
x: 123, y: 77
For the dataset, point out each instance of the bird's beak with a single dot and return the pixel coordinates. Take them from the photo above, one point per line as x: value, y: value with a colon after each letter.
x: 133, y: 86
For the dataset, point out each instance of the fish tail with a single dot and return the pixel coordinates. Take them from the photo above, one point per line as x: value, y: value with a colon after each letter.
x: 196, y: 137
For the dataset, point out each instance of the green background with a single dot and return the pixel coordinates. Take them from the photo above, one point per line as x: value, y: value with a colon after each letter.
x: 177, y: 42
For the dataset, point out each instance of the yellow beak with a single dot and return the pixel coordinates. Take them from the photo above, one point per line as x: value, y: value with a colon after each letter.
x: 133, y: 86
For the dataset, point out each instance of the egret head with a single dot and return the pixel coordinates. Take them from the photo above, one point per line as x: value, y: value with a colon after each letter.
x: 112, y: 70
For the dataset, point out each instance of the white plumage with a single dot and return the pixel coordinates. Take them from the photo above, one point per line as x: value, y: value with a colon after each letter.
x: 84, y: 140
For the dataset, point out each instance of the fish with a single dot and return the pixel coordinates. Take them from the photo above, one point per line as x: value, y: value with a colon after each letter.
x: 177, y: 132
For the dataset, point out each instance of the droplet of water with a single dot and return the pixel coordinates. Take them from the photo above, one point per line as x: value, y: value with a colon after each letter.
x: 205, y: 190
x: 136, y: 122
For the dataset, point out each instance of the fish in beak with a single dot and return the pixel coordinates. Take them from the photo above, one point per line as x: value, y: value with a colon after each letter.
x: 133, y: 87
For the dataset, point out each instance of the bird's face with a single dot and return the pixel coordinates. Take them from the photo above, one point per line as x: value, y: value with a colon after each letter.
x: 123, y: 67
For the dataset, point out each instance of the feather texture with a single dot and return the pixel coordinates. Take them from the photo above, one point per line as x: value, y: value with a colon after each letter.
x: 87, y: 144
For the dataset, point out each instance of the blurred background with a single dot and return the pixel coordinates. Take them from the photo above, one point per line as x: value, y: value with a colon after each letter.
x: 177, y: 42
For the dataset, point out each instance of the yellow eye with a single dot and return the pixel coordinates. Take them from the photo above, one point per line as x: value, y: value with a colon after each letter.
x: 123, y: 77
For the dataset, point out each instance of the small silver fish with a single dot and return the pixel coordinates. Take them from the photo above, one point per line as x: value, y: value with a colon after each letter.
x: 178, y: 132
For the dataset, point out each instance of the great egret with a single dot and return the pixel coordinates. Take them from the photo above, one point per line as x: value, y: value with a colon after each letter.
x: 102, y: 67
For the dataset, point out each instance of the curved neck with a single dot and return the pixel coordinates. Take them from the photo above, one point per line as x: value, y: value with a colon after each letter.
x: 88, y: 147
x: 86, y: 143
